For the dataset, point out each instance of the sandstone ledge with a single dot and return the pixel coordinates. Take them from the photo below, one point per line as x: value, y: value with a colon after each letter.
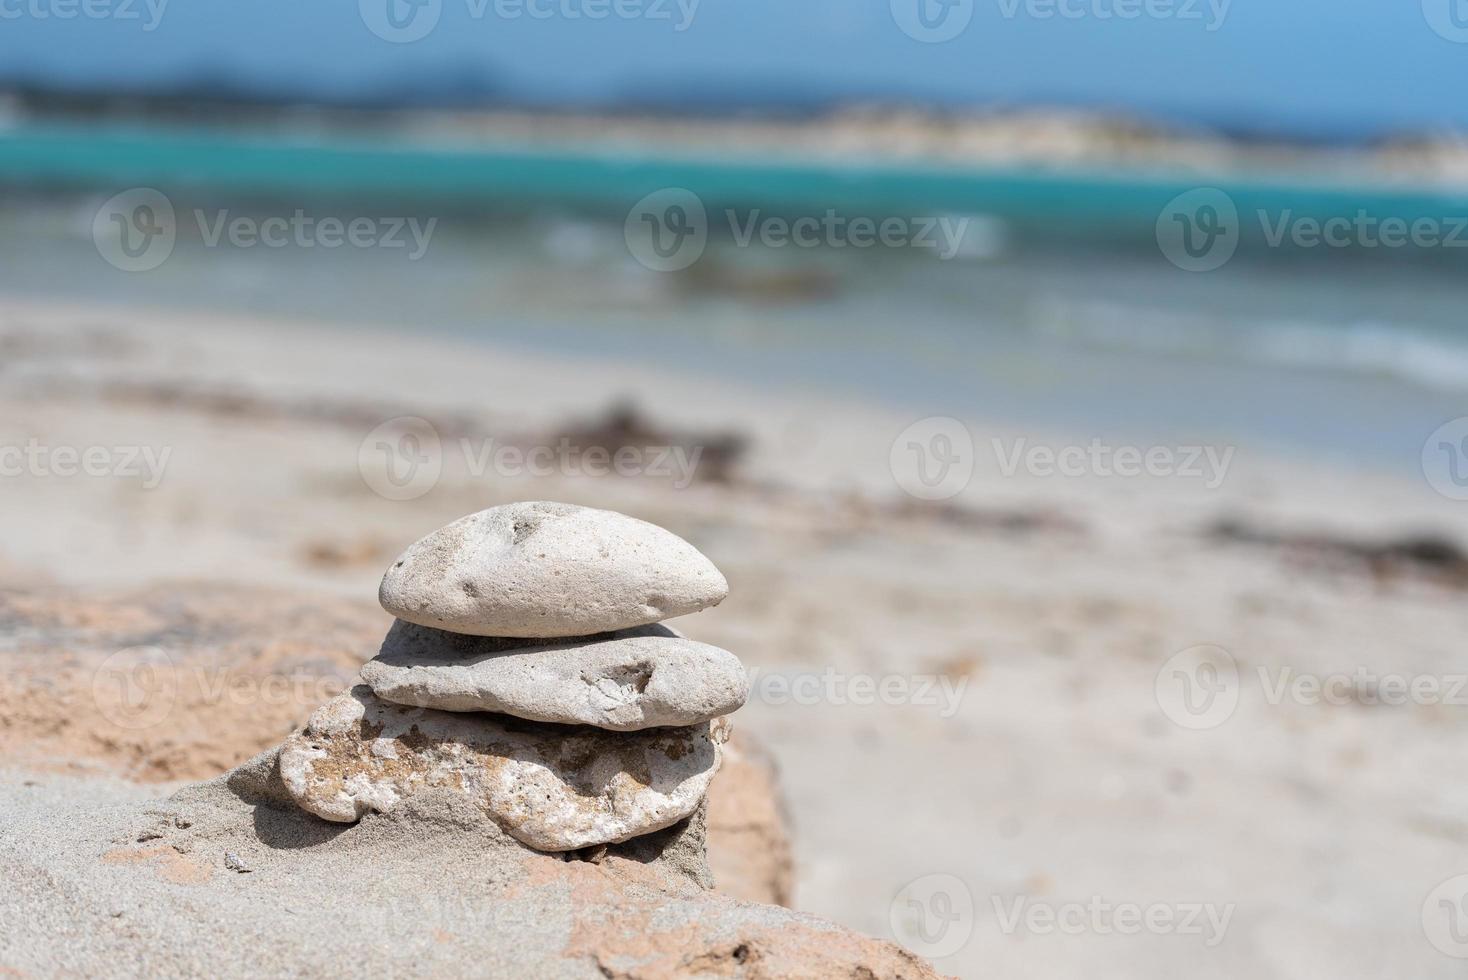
x: 229, y: 879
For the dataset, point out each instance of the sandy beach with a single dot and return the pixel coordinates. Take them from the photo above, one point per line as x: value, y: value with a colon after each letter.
x: 1020, y: 744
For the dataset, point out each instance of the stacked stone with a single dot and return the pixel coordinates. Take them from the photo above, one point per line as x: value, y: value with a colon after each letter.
x: 527, y: 671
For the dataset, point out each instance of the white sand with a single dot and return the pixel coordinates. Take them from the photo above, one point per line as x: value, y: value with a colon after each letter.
x: 1056, y: 776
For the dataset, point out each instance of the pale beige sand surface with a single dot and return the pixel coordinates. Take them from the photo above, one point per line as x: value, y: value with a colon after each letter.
x: 1051, y: 775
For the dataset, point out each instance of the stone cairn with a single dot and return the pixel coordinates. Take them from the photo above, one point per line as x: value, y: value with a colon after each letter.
x: 526, y: 671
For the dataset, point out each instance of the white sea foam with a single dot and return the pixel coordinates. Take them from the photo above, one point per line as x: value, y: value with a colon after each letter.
x: 1411, y: 353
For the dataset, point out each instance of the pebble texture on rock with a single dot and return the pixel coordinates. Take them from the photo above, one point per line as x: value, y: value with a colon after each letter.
x: 541, y: 570
x: 554, y: 788
x: 625, y: 681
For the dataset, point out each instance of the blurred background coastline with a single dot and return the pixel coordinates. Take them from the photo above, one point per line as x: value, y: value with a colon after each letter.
x: 1053, y: 261
x: 1239, y: 243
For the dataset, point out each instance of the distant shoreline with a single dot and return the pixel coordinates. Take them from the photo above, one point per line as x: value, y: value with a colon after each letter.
x: 525, y: 161
x: 1063, y: 141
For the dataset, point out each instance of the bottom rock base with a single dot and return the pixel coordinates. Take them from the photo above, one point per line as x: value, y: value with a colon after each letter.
x: 551, y: 787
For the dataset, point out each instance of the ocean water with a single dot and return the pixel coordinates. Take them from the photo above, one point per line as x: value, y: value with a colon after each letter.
x: 1069, y: 301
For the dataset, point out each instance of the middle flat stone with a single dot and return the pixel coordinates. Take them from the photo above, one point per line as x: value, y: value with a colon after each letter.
x: 645, y: 677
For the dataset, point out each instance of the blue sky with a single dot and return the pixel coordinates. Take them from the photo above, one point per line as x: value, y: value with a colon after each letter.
x: 1311, y: 66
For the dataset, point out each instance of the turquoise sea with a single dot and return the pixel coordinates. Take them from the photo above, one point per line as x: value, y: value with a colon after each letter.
x: 1057, y: 305
x: 287, y: 163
